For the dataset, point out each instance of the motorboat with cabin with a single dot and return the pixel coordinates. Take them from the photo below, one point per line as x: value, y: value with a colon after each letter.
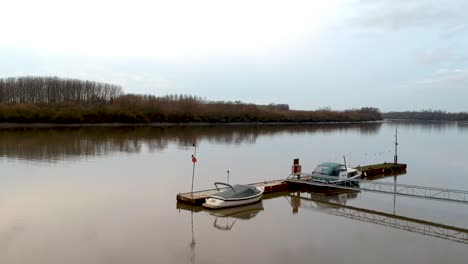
x: 236, y: 195
x: 332, y: 172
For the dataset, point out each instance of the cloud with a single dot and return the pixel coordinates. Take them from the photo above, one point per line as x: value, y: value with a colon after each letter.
x: 135, y: 76
x: 133, y: 82
x: 454, y: 30
x: 433, y: 56
x: 454, y: 56
x: 169, y: 30
x: 403, y: 14
x: 448, y: 80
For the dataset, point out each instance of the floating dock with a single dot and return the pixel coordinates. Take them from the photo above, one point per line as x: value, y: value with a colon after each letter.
x: 198, y: 197
x: 376, y: 170
x: 371, y: 172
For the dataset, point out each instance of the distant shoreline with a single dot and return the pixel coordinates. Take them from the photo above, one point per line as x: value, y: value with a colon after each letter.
x: 156, y: 124
x: 53, y: 100
x: 195, y: 124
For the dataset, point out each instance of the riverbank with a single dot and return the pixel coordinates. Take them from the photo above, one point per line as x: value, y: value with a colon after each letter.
x: 427, y: 115
x: 140, y: 109
x: 53, y: 125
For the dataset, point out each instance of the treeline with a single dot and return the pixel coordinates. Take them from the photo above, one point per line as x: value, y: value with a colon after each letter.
x: 54, y: 90
x: 428, y: 115
x: 55, y: 100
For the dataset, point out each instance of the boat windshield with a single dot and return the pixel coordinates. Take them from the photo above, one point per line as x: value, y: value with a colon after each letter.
x: 328, y: 169
x: 238, y: 191
x: 322, y: 169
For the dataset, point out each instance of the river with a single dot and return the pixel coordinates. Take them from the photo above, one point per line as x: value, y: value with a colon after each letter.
x: 108, y: 195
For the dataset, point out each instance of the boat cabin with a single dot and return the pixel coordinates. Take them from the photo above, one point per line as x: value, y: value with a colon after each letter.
x: 333, y: 169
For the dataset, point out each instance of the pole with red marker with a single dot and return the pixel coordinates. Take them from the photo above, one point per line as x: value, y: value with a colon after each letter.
x: 194, y: 161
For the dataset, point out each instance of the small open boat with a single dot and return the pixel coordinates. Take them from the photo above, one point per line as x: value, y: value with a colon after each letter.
x: 236, y: 195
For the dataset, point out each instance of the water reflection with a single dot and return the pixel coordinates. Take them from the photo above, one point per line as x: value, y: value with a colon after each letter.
x: 334, y: 202
x: 462, y: 126
x: 428, y: 126
x: 224, y: 219
x: 60, y: 143
x: 336, y: 205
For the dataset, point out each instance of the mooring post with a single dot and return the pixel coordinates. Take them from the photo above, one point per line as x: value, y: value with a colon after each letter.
x: 296, y: 168
x: 394, y: 193
x: 194, y: 160
x: 395, y: 158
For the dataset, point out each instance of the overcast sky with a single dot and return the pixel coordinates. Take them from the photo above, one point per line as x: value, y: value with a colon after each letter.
x: 394, y: 55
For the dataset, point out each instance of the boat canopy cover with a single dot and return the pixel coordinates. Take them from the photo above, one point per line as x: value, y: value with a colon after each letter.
x: 240, y: 191
x: 328, y: 169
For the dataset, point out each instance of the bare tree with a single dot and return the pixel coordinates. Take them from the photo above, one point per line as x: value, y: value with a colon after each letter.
x: 55, y: 90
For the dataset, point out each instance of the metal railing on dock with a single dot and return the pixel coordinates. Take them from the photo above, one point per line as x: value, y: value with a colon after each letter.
x: 391, y: 220
x: 381, y: 187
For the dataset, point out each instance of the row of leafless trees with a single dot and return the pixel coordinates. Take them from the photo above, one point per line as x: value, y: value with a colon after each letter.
x: 54, y: 90
x: 57, y: 100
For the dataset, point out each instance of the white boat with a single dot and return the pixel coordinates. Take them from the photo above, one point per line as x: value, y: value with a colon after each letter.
x: 331, y: 172
x: 236, y: 195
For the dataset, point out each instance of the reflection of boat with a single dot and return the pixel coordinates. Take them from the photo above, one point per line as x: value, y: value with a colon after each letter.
x: 240, y: 212
x: 331, y: 172
x: 335, y: 199
x: 226, y: 217
x: 322, y: 200
x: 236, y: 195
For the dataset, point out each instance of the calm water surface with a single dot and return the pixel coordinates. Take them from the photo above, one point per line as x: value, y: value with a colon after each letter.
x: 107, y: 195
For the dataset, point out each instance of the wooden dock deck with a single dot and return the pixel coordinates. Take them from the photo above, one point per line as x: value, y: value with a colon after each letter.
x: 381, y: 169
x: 370, y: 172
x: 198, y: 197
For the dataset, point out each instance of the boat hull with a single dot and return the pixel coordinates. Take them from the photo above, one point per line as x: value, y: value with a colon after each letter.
x: 334, y: 181
x: 215, y: 202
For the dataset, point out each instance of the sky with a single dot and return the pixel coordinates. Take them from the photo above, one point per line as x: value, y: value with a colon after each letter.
x: 394, y: 55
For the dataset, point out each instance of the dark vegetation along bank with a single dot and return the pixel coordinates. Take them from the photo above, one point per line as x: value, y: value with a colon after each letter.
x: 427, y: 115
x: 66, y: 101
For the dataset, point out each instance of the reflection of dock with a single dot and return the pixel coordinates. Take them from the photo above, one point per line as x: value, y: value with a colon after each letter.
x: 336, y: 206
x: 333, y: 202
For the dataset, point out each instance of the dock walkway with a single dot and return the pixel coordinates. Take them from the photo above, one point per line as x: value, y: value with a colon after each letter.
x: 383, y: 169
x: 383, y: 187
x: 198, y: 197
